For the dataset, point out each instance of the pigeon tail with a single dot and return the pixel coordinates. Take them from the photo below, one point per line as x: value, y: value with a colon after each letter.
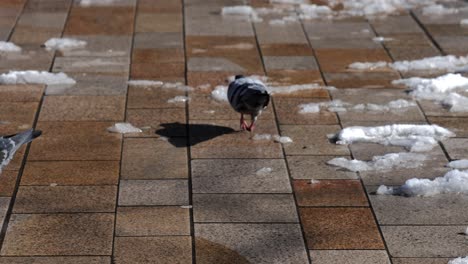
x: 24, y: 137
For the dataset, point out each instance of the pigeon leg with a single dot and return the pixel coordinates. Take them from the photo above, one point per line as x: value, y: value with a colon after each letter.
x: 252, y: 125
x: 243, y: 124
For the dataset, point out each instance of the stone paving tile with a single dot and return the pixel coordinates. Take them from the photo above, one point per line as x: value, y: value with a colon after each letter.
x: 291, y: 77
x: 8, y: 182
x: 95, y: 21
x: 151, y: 120
x: 21, y: 93
x: 153, y: 192
x: 451, y: 44
x: 330, y: 193
x: 338, y: 60
x: 361, y: 79
x: 288, y: 49
x: 164, y: 250
x: 291, y: 33
x: 457, y: 125
x: 340, y: 228
x: 222, y: 139
x: 38, y: 27
x: 32, y: 57
x: 456, y: 148
x: 425, y: 241
x: 405, y: 53
x: 165, y: 55
x: 349, y: 256
x: 65, y: 173
x: 158, y: 40
x: 420, y: 260
x: 152, y: 221
x: 159, y: 22
x: 100, y: 46
x: 55, y: 260
x: 299, y: 167
x: 312, y: 140
x: 210, y: 64
x: 157, y: 71
x: 100, y: 65
x: 339, y: 29
x: 46, y: 6
x: 396, y: 24
x: 344, y: 43
x: 267, y: 243
x: 438, y: 110
x: 146, y: 159
x: 92, y: 84
x: 152, y: 97
x: 287, y: 112
x: 58, y: 234
x: 4, y: 205
x: 290, y: 62
x: 65, y: 199
x: 217, y: 26
x: 83, y: 108
x: 75, y: 141
x: 18, y: 112
x: 244, y: 208
x: 239, y: 176
x: 443, y: 209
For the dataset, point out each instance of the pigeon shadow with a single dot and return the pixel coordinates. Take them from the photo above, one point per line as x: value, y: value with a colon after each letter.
x: 197, y: 133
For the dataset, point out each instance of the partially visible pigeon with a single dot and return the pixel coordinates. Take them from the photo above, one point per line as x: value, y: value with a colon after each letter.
x: 10, y: 144
x: 248, y: 97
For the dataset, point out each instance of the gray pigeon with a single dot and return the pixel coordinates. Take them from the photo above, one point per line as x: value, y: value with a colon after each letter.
x: 248, y: 97
x: 10, y: 144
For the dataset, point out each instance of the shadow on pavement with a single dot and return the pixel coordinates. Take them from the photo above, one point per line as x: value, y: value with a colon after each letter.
x: 197, y: 133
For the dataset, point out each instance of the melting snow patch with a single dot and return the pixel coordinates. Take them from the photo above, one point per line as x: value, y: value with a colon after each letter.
x: 64, y: 44
x: 220, y: 93
x: 381, y: 163
x: 438, y: 10
x: 312, y: 181
x: 276, y: 138
x: 186, y: 206
x: 145, y: 83
x: 340, y: 106
x: 39, y: 77
x: 458, y: 164
x: 381, y: 39
x: 464, y: 22
x: 9, y: 47
x: 454, y: 181
x: 123, y: 128
x: 264, y: 171
x: 87, y: 3
x: 262, y: 137
x: 459, y: 260
x: 413, y: 137
x: 179, y: 99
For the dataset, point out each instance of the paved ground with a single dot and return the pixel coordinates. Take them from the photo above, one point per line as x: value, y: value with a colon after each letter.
x: 79, y: 194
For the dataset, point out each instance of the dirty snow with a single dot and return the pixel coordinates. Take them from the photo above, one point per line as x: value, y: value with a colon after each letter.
x: 179, y: 99
x: 220, y: 93
x: 264, y: 171
x: 38, y: 77
x: 458, y: 164
x: 145, y: 83
x: 64, y: 44
x: 87, y: 3
x: 459, y: 260
x: 454, y: 181
x: 9, y: 47
x: 439, y: 10
x: 123, y: 128
x: 464, y: 22
x: 340, y: 106
x: 186, y: 206
x: 416, y: 138
x: 168, y: 85
x: 381, y: 163
x: 275, y: 138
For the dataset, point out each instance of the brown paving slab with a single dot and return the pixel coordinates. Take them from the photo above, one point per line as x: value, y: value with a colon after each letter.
x: 152, y: 120
x: 75, y: 141
x: 8, y: 183
x: 396, y: 24
x: 110, y: 46
x: 158, y: 40
x: 25, y: 34
x: 447, y: 30
x: 159, y: 6
x: 167, y: 55
x: 312, y: 140
x: 290, y: 63
x: 83, y: 108
x: 408, y: 40
x: 425, y: 241
x: 158, y: 22
x: 20, y: 112
x: 111, y: 65
x: 58, y: 234
x: 340, y: 228
x: 336, y: 60
x: 342, y: 29
x: 219, y: 139
x: 287, y: 112
x: 164, y: 250
x: 21, y: 93
x: 152, y: 97
x: 71, y: 173
x: 32, y: 57
x: 456, y: 148
x: 152, y: 221
x: 437, y: 109
x: 344, y: 43
x: 96, y: 20
x: 61, y: 199
x: 212, y: 78
x: 239, y: 176
x: 153, y: 158
x: 288, y: 33
x: 290, y: 49
x: 278, y: 208
x: 156, y: 71
x: 420, y: 260
x: 291, y: 77
x: 361, y: 79
x: 55, y: 260
x: 299, y: 167
x: 349, y: 256
x: 249, y: 243
x: 330, y: 193
x: 459, y: 126
x: 153, y: 192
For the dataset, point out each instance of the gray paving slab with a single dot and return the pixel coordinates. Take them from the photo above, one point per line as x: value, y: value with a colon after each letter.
x: 92, y: 64
x: 290, y: 63
x: 153, y: 192
x: 300, y: 168
x: 349, y: 256
x: 396, y: 24
x: 158, y: 40
x: 210, y: 64
x: 338, y: 29
x: 344, y: 43
x: 101, y: 46
x: 457, y: 148
x: 290, y: 33
x: 91, y: 84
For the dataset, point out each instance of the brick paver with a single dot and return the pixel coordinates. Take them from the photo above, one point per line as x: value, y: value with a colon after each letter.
x: 191, y: 188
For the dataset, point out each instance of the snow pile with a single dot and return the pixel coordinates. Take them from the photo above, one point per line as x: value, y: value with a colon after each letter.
x: 64, y: 44
x: 179, y: 99
x: 276, y: 138
x: 38, y: 77
x: 458, y: 164
x: 459, y: 260
x: 9, y: 47
x: 340, y: 106
x: 381, y: 163
x: 315, y: 11
x: 168, y: 85
x: 454, y: 181
x: 449, y: 63
x: 220, y: 93
x: 242, y: 11
x: 381, y: 39
x: 123, y: 128
x: 416, y: 138
x: 439, y: 10
x: 464, y: 22
x: 264, y: 171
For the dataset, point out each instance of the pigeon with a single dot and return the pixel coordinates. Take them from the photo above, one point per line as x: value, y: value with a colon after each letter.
x: 10, y: 144
x: 248, y: 97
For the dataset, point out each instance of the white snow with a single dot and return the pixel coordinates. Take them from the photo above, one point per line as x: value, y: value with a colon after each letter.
x: 38, y: 77
x: 262, y: 137
x: 454, y: 181
x: 456, y: 102
x: 53, y: 184
x: 237, y: 10
x: 384, y: 190
x: 340, y: 106
x: 466, y: 231
x: 64, y: 44
x: 438, y: 10
x: 220, y: 93
x: 458, y: 164
x: 186, y: 206
x: 294, y: 2
x: 313, y: 181
x: 459, y: 260
x: 416, y: 138
x: 275, y: 138
x: 464, y: 22
x: 312, y: 11
x: 9, y: 47
x: 87, y: 3
x: 368, y: 65
x: 179, y: 99
x: 145, y: 83
x: 264, y: 171
x: 381, y: 39
x: 381, y: 163
x: 123, y: 128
